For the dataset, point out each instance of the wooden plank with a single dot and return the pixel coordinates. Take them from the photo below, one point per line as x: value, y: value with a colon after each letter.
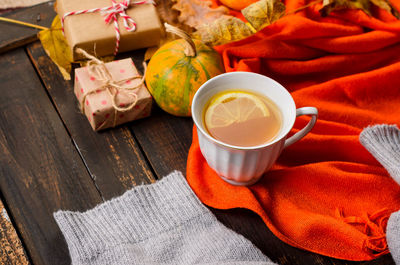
x: 11, y: 249
x: 41, y: 171
x: 113, y: 157
x: 165, y: 139
x: 18, y: 35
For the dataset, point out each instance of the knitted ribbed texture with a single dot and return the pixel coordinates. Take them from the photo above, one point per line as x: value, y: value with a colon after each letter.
x: 393, y: 236
x: 161, y: 223
x: 383, y: 142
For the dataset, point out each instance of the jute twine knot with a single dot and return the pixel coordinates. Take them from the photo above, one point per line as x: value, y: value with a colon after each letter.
x: 98, y: 69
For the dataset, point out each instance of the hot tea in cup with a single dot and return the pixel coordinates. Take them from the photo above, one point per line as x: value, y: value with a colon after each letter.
x: 242, y: 132
x: 242, y: 118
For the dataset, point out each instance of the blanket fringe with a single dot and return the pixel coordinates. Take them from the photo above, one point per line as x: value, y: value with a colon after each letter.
x: 374, y: 227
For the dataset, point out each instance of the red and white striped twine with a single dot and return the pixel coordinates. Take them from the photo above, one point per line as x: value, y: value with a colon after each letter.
x: 111, y: 14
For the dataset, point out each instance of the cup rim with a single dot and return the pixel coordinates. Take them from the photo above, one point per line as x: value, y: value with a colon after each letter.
x: 284, y: 133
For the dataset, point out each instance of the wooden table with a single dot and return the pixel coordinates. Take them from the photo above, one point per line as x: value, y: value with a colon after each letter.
x: 51, y: 159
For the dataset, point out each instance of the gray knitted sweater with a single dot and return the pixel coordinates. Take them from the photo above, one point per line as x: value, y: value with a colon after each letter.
x: 165, y: 223
x: 161, y: 223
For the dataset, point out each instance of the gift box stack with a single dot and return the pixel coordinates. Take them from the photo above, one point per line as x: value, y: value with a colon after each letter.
x: 105, y: 27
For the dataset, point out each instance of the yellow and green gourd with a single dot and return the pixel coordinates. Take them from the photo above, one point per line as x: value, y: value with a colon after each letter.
x: 178, y: 69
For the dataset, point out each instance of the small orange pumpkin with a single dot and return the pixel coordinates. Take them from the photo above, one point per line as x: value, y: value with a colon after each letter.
x: 178, y: 69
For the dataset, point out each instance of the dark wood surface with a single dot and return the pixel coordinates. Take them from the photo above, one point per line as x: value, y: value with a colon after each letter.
x: 51, y: 159
x: 13, y: 36
x: 41, y: 170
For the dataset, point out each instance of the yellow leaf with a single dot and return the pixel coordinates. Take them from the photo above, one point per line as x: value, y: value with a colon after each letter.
x: 56, y: 47
x: 263, y: 13
x: 223, y: 30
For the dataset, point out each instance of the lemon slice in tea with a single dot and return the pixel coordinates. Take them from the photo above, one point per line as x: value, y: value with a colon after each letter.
x: 234, y: 107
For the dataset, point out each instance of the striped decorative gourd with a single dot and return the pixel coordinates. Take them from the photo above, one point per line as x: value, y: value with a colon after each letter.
x: 177, y: 70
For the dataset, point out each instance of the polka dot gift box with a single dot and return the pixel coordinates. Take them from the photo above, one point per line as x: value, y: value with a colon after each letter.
x: 111, y: 93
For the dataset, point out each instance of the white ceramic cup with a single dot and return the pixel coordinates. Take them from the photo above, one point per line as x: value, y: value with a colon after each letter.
x: 245, y: 165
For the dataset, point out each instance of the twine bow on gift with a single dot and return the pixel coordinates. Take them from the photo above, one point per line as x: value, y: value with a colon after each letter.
x: 111, y: 14
x: 98, y: 69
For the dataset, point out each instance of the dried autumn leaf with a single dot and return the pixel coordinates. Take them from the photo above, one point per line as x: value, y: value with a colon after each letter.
x: 195, y: 13
x: 56, y: 47
x: 263, y: 13
x: 164, y: 11
x: 365, y: 5
x: 223, y: 30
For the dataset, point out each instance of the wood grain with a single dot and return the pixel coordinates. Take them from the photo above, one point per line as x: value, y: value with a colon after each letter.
x: 113, y: 158
x: 15, y: 36
x: 11, y: 249
x: 41, y: 171
x: 165, y: 139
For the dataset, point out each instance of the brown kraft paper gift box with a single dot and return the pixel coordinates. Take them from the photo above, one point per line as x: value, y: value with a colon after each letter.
x: 91, y: 33
x: 98, y: 106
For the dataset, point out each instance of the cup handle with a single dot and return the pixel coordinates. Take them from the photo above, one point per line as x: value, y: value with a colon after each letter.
x: 300, y: 134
